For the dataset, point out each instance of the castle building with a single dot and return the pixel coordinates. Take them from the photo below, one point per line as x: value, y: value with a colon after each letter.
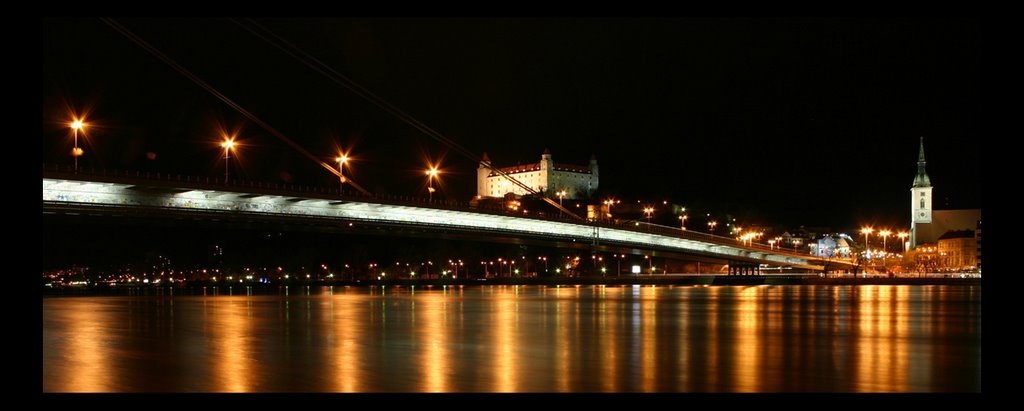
x: 926, y: 223
x: 546, y: 176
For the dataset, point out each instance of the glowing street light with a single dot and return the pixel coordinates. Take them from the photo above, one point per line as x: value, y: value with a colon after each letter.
x: 341, y: 160
x: 76, y: 151
x: 711, y: 225
x: 228, y: 144
x: 561, y: 193
x: 431, y: 174
x: 867, y: 247
x: 648, y: 211
x: 610, y: 202
x: 683, y: 218
x: 884, y: 234
x: 903, y: 235
x: 771, y: 244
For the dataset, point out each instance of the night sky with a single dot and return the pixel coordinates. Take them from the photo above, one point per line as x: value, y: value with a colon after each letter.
x: 784, y: 121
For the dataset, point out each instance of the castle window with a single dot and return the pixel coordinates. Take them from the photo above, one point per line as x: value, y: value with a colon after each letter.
x: 922, y: 203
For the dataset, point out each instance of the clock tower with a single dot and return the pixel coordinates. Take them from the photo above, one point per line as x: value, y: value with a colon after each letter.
x: 920, y: 199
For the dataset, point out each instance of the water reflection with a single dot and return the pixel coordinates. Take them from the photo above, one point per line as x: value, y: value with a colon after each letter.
x: 520, y: 339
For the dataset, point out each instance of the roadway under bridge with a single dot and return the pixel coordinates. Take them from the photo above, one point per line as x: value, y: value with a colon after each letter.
x: 171, y: 195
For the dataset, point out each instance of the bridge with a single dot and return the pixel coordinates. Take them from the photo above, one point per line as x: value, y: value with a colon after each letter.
x: 121, y: 193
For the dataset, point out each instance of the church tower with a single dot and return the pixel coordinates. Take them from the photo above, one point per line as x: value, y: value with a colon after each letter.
x: 920, y: 199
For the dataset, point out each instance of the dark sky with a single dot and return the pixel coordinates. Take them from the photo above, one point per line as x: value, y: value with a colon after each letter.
x: 784, y: 121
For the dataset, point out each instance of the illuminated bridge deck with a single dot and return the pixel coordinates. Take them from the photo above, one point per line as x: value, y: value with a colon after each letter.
x: 68, y: 192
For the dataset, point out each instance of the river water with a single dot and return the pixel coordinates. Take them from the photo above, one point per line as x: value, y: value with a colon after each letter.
x: 867, y: 338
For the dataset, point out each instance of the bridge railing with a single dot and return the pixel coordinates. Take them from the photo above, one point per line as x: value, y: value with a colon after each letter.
x: 334, y: 193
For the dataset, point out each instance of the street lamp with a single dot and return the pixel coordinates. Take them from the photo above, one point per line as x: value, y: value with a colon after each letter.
x: 711, y: 225
x: 228, y: 144
x: 771, y: 244
x: 884, y: 234
x: 431, y: 174
x: 341, y: 160
x: 648, y: 211
x: 76, y: 151
x: 903, y: 235
x: 609, y: 202
x: 683, y: 219
x: 867, y: 248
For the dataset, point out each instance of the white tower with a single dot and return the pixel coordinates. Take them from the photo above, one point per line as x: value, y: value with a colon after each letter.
x: 481, y: 176
x: 920, y: 198
x: 548, y: 182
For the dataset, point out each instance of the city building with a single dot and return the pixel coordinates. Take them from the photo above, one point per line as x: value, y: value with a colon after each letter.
x: 926, y: 223
x: 977, y: 240
x: 925, y: 258
x: 958, y: 250
x: 829, y: 246
x: 546, y: 176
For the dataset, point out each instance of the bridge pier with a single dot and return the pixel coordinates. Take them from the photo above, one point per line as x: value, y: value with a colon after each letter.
x: 742, y: 268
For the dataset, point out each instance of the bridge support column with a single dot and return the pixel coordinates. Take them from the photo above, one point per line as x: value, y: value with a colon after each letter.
x: 744, y: 268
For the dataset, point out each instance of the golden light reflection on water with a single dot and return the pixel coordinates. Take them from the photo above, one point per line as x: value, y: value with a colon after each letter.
x: 348, y: 328
x: 506, y: 377
x: 82, y: 360
x: 610, y: 350
x: 712, y: 345
x: 648, y: 338
x: 432, y: 330
x: 562, y: 343
x: 882, y: 360
x: 230, y: 339
x: 525, y: 338
x: 747, y: 346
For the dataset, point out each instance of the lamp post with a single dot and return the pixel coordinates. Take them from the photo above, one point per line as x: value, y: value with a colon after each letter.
x: 560, y: 193
x: 903, y: 235
x: 431, y: 174
x: 683, y: 218
x: 228, y: 144
x: 648, y: 211
x: 342, y: 159
x: 867, y: 247
x: 609, y: 202
x: 76, y: 152
x: 884, y: 234
x: 771, y: 244
x: 711, y: 226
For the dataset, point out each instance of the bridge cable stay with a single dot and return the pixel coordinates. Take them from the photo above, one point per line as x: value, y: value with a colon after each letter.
x: 339, y: 78
x: 206, y: 86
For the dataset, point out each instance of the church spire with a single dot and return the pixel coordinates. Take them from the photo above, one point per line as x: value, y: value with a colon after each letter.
x: 921, y: 180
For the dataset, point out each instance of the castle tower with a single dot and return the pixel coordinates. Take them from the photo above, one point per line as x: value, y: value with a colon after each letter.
x: 547, y: 168
x: 592, y: 182
x: 481, y: 176
x: 920, y: 199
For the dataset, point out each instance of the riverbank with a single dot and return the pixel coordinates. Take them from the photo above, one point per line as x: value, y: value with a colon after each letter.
x: 673, y: 280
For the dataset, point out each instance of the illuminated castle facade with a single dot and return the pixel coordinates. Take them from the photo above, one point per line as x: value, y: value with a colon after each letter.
x: 546, y: 176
